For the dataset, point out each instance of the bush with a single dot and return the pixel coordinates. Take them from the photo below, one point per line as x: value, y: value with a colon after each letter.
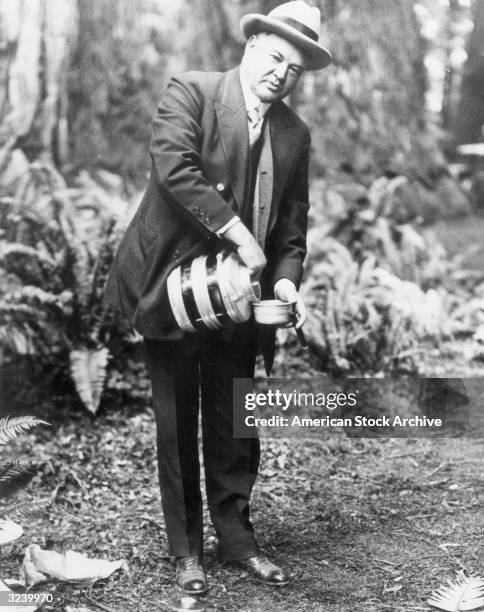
x: 364, y: 319
x: 14, y: 477
x: 56, y: 247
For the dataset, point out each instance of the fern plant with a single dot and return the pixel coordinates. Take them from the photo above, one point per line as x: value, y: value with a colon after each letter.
x: 403, y: 248
x: 56, y: 247
x: 14, y: 477
x: 363, y: 319
x: 411, y: 253
x: 465, y: 593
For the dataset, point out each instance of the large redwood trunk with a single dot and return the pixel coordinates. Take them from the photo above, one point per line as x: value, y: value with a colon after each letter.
x: 469, y: 120
x: 367, y: 110
x: 36, y: 37
x: 369, y: 107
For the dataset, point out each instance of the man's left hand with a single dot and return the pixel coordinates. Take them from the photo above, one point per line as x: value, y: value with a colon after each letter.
x: 285, y: 290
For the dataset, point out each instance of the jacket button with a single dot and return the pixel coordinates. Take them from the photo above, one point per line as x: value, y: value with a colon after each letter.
x: 176, y: 254
x: 196, y: 210
x: 220, y: 186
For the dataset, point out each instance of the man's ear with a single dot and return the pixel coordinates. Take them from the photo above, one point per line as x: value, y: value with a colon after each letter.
x: 252, y: 40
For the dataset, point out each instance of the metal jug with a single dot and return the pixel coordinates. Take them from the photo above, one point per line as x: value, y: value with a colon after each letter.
x: 211, y: 291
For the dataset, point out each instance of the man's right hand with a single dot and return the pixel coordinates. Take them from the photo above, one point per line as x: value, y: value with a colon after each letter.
x: 247, y: 248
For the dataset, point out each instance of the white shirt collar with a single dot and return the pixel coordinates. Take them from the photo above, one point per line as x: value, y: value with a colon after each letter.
x: 250, y: 99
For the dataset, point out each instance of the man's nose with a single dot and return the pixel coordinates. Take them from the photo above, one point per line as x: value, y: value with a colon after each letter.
x: 281, y: 70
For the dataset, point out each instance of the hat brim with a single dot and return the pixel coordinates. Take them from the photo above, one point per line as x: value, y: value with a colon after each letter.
x: 317, y: 56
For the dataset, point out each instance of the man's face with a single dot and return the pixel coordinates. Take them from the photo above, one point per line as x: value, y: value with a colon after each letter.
x: 272, y: 66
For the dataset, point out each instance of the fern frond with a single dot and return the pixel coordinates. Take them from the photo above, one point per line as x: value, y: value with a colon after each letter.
x: 10, y: 428
x: 466, y: 593
x: 15, y: 476
x: 21, y: 510
x: 365, y: 273
x: 7, y: 308
x: 30, y: 293
x: 15, y: 339
x: 345, y: 282
x: 341, y: 252
x: 16, y: 249
x: 88, y: 370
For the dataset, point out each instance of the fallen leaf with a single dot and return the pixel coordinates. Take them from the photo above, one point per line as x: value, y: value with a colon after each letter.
x: 30, y: 574
x: 71, y: 566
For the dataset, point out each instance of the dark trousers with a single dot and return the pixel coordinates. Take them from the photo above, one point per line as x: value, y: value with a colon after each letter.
x: 186, y: 374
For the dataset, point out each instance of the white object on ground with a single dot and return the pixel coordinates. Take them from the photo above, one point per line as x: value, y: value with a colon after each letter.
x: 465, y: 593
x: 9, y: 531
x: 72, y: 566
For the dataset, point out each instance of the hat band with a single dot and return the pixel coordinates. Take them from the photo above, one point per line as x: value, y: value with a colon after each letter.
x: 300, y: 27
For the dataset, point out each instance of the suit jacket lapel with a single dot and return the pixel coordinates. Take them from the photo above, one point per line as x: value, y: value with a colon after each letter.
x: 283, y: 146
x: 234, y: 135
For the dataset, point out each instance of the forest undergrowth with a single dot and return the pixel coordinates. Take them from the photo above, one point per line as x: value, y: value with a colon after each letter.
x: 371, y: 525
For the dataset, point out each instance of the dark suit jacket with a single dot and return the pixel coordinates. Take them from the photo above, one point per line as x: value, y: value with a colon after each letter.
x: 198, y: 182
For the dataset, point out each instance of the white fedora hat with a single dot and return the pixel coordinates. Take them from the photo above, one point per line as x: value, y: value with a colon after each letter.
x: 295, y: 21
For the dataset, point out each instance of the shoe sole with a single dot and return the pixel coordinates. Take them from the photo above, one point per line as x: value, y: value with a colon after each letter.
x: 261, y: 580
x: 187, y: 592
x: 271, y: 583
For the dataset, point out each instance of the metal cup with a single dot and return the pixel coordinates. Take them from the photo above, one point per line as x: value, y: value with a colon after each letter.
x: 273, y: 312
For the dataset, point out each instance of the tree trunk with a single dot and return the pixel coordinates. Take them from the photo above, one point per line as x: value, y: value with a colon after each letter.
x: 469, y: 119
x: 368, y: 109
x: 126, y: 50
x: 452, y: 77
x: 214, y: 25
x: 36, y: 37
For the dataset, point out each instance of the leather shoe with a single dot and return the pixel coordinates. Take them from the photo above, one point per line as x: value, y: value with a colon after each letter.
x: 190, y: 575
x: 264, y: 570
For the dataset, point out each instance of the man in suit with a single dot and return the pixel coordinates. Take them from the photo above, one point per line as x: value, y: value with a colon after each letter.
x: 230, y: 166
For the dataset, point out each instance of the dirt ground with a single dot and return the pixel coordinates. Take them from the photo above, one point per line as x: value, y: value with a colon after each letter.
x: 369, y: 525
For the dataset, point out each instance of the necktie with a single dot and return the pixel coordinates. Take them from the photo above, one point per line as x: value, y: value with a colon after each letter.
x: 255, y: 125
